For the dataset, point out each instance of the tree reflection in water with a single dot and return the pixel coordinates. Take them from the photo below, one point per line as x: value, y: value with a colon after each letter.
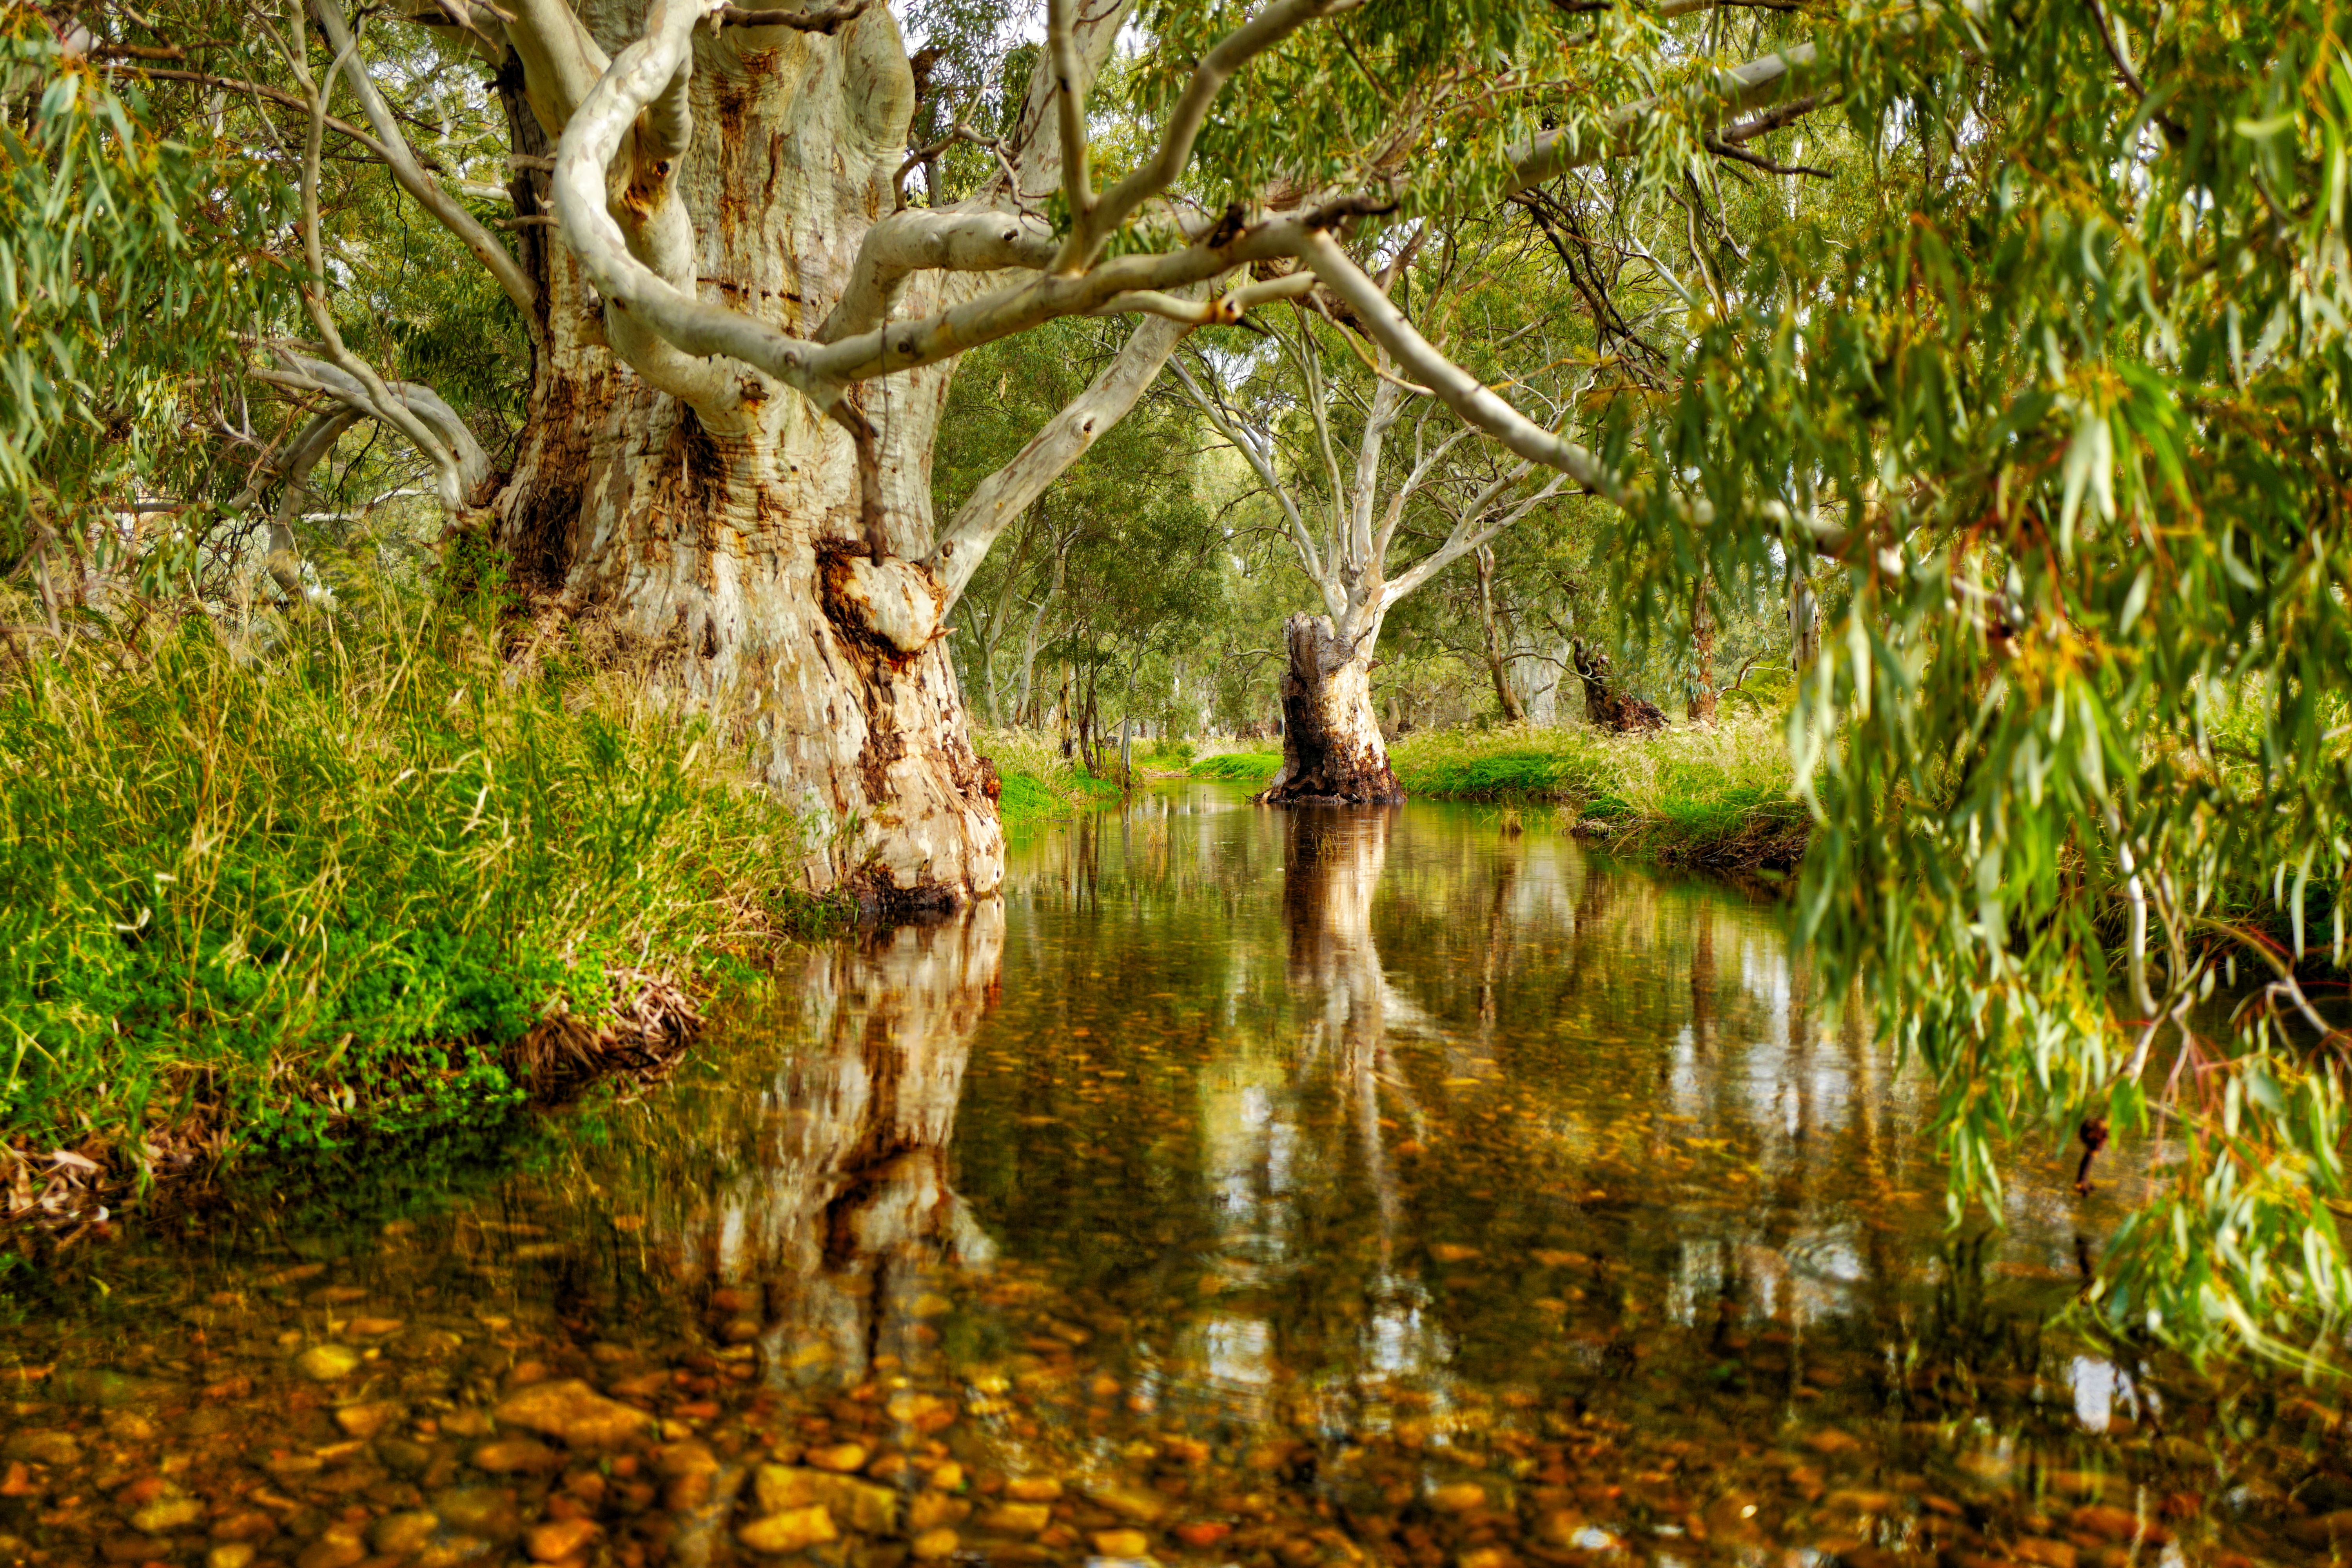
x: 841, y: 1216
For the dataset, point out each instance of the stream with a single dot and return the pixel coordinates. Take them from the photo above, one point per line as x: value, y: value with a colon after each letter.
x: 1243, y: 1186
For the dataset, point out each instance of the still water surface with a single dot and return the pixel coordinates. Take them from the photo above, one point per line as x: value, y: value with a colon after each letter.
x: 1245, y: 1186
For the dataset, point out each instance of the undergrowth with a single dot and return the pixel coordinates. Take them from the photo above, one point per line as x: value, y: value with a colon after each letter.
x: 275, y: 901
x: 1716, y: 796
x: 1038, y: 782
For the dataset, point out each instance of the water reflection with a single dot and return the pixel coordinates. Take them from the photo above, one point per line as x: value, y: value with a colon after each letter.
x: 1273, y: 1188
x: 840, y: 1215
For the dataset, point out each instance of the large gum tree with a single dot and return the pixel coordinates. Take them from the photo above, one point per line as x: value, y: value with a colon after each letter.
x: 742, y: 320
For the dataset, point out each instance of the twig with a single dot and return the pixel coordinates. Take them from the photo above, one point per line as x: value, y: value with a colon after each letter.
x: 279, y: 95
x: 1723, y: 149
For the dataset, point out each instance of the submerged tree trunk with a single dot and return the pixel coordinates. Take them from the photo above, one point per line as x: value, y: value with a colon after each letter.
x: 1331, y: 745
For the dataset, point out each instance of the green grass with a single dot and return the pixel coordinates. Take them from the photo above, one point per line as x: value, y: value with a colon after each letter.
x: 1038, y: 783
x: 1713, y: 796
x: 278, y: 902
x: 1256, y: 768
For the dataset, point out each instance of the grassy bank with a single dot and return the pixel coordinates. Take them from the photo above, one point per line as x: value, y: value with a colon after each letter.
x: 1716, y: 798
x: 1039, y: 784
x: 380, y: 881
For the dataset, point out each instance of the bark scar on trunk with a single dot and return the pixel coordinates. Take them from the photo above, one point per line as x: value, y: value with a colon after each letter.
x: 889, y: 610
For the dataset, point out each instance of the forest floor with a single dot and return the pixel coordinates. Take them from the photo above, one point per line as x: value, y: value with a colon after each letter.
x: 1716, y: 797
x: 406, y: 874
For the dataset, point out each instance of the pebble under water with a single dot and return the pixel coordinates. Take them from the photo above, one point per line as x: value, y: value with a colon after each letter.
x: 1254, y: 1187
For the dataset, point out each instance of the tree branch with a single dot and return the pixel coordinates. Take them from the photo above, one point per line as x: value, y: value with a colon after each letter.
x: 1734, y: 90
x: 1061, y: 440
x: 428, y: 193
x: 1270, y: 26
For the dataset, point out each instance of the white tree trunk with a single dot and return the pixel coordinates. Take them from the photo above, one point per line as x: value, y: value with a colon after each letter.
x: 730, y: 562
x: 1331, y: 745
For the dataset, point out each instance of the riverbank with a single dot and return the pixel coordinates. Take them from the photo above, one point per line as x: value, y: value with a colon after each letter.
x: 1038, y: 783
x: 393, y: 875
x: 1714, y: 797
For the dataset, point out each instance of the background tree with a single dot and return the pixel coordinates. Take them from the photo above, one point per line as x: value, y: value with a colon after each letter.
x: 709, y: 222
x: 1324, y: 422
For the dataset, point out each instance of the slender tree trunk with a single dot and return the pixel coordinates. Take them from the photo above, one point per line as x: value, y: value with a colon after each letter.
x: 1702, y: 699
x: 1804, y: 621
x: 730, y: 564
x: 1499, y: 667
x: 1331, y: 745
x: 1037, y: 620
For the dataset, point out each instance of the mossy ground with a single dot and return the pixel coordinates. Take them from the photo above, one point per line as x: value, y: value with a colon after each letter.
x: 1716, y: 796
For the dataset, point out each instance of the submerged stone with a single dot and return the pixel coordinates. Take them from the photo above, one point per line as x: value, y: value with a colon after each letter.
x: 868, y: 1508
x: 483, y: 1511
x: 1020, y: 1518
x: 575, y: 1414
x: 790, y: 1530
x: 167, y: 1514
x: 517, y: 1456
x: 371, y: 1419
x: 558, y: 1539
x: 327, y: 1362
x: 398, y: 1534
x: 42, y: 1448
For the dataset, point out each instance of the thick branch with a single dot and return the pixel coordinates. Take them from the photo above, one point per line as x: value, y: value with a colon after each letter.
x: 915, y: 239
x: 308, y: 374
x: 1456, y: 387
x: 1005, y: 494
x: 1734, y: 90
x: 1268, y: 27
x: 1070, y: 103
